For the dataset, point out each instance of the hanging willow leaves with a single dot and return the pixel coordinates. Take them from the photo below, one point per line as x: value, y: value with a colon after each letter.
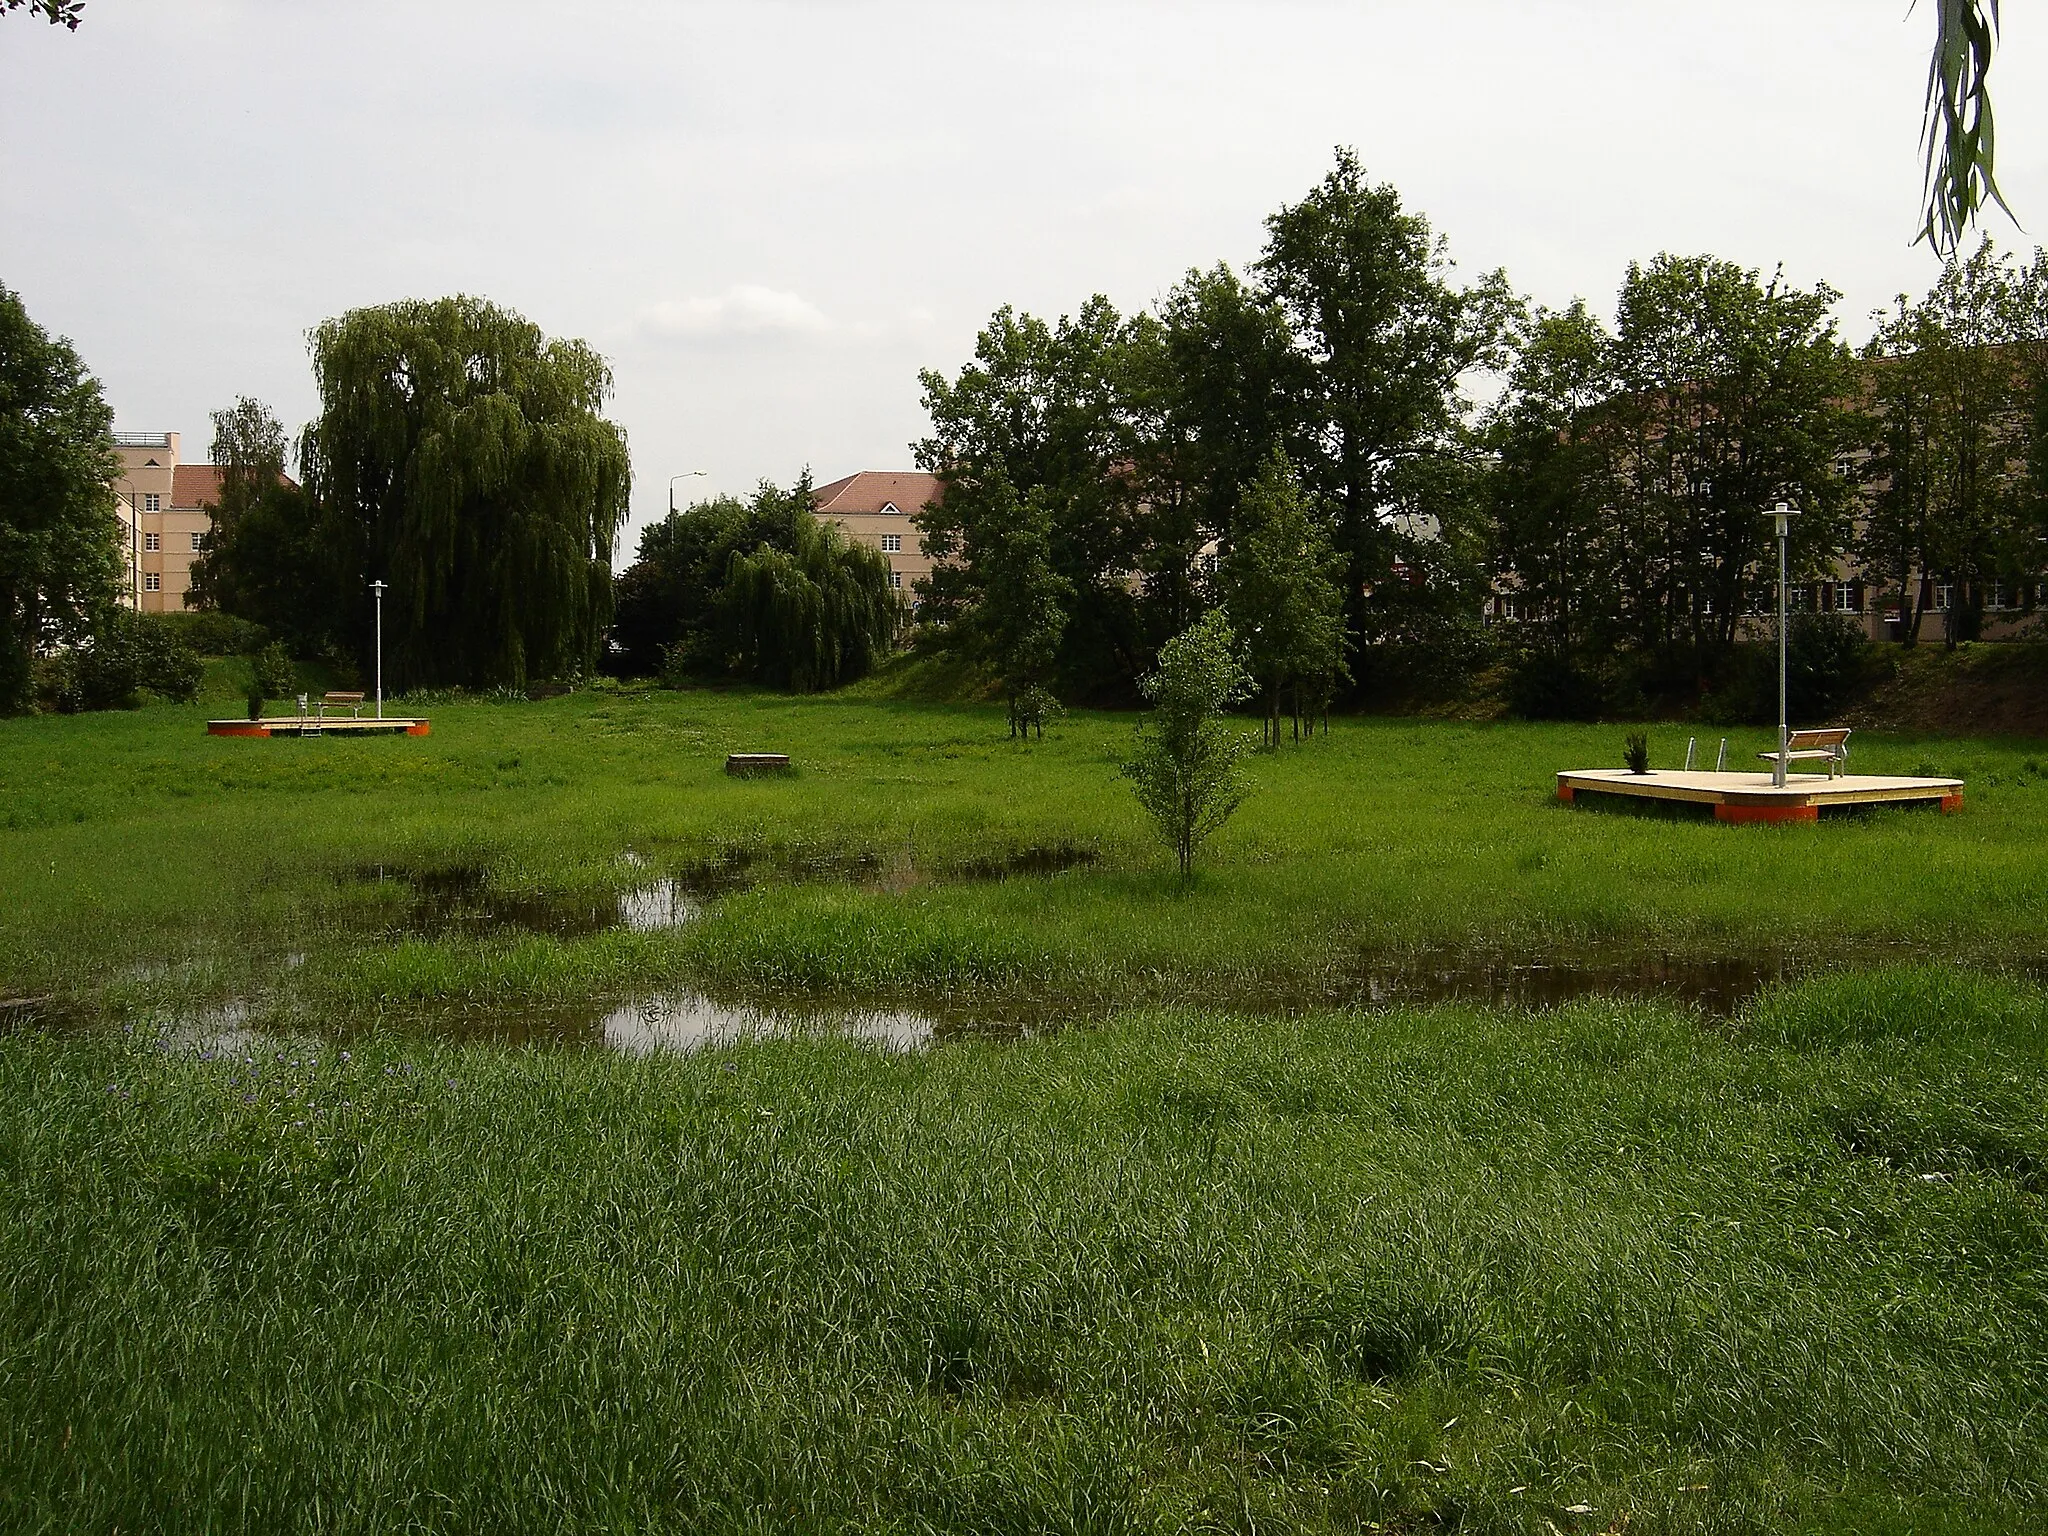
x: 1957, y: 127
x: 812, y: 616
x: 464, y: 455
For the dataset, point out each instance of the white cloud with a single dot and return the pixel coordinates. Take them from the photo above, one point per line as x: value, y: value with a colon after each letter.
x: 746, y: 309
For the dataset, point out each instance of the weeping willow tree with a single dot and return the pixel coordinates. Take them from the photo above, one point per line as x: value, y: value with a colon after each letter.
x: 461, y: 456
x: 1957, y: 128
x: 812, y: 616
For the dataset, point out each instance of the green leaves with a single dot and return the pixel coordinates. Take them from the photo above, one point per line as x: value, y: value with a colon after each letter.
x: 1186, y: 773
x: 1956, y: 129
x: 464, y: 458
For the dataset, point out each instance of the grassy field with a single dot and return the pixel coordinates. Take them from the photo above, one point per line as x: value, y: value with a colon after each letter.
x: 141, y: 860
x: 1190, y: 1263
x: 1589, y: 1270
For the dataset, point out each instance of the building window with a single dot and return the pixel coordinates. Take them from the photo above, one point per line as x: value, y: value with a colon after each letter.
x: 1942, y: 593
x: 896, y: 580
x: 1994, y: 596
x: 152, y: 582
x: 151, y: 502
x: 198, y: 542
x: 152, y: 542
x: 892, y: 543
x: 1848, y: 597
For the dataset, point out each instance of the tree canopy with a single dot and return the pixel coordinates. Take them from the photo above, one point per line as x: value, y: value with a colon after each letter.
x: 461, y: 455
x: 270, y: 557
x: 59, y: 547
x: 813, y: 615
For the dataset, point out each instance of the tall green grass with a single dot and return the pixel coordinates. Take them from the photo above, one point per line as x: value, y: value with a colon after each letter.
x: 1587, y: 1270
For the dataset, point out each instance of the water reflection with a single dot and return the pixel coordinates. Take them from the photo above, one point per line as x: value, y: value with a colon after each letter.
x: 683, y: 1021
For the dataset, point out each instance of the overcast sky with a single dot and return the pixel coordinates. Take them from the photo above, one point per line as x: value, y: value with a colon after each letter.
x: 771, y: 215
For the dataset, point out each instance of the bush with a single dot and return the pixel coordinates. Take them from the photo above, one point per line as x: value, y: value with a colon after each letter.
x: 128, y: 654
x: 276, y: 675
x: 215, y: 634
x: 1554, y: 685
x: 1826, y: 655
x: 1434, y: 661
x: 1827, y: 662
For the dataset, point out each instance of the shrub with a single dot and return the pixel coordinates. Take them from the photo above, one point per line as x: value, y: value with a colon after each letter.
x: 276, y: 675
x: 215, y: 634
x: 1555, y: 685
x: 1635, y: 752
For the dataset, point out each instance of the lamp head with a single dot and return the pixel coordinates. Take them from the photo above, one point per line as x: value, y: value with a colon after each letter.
x: 1784, y: 512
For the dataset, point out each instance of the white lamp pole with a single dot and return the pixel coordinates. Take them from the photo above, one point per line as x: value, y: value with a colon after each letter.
x: 1784, y: 515
x: 688, y: 474
x: 378, y: 588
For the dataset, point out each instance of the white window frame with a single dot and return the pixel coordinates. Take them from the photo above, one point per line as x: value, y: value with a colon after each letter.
x: 152, y: 543
x: 896, y: 580
x: 892, y: 543
x: 152, y: 502
x: 151, y: 582
x: 198, y: 543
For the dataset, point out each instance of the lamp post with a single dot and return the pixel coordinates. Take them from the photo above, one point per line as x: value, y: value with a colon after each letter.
x: 378, y: 588
x: 1784, y: 514
x: 688, y: 474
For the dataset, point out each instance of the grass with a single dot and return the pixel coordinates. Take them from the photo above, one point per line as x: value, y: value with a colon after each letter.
x: 1586, y: 1270
x: 1189, y: 1264
x: 140, y: 858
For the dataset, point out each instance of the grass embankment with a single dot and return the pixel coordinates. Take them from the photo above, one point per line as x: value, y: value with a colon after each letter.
x: 1592, y: 1270
x: 141, y: 861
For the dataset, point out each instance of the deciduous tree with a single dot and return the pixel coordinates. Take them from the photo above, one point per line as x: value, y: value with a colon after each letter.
x: 814, y: 615
x: 59, y: 549
x: 466, y: 459
x: 1280, y: 587
x: 1188, y: 770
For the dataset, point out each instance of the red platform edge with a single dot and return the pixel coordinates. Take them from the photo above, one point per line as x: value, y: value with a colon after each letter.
x: 1564, y: 793
x: 238, y: 730
x: 1725, y: 812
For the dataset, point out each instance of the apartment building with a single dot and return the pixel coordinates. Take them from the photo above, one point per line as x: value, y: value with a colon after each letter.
x: 875, y: 507
x: 161, y: 504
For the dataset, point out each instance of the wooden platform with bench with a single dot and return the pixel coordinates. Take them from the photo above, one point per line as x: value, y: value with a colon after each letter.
x: 1754, y: 797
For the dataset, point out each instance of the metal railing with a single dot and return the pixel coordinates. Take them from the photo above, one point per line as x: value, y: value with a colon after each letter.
x: 142, y: 439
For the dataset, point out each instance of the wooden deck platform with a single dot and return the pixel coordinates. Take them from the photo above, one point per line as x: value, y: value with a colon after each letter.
x: 310, y: 725
x: 1753, y: 797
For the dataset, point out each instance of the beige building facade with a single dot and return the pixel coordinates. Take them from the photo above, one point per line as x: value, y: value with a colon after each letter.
x: 161, y: 505
x: 876, y: 508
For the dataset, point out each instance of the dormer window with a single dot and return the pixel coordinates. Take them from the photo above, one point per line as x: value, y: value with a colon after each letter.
x: 889, y: 507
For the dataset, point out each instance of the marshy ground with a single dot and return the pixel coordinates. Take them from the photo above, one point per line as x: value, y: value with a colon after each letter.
x: 1443, y: 1158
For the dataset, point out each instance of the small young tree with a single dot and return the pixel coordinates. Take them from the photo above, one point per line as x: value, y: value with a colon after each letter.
x: 1187, y: 773
x: 1280, y: 584
x: 1021, y: 612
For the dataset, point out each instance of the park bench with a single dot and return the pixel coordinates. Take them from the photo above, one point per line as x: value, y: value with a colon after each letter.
x: 1831, y: 744
x: 353, y: 702
x: 740, y: 764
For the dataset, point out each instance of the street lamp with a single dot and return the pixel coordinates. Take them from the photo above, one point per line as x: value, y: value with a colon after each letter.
x: 378, y: 588
x: 688, y: 474
x: 1784, y: 514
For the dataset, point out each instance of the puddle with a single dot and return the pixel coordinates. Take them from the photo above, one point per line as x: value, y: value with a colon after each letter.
x: 683, y: 1021
x: 440, y: 903
x: 1716, y: 987
x: 663, y: 904
x: 460, y: 899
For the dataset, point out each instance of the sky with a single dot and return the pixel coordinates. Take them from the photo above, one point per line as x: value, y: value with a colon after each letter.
x: 770, y: 216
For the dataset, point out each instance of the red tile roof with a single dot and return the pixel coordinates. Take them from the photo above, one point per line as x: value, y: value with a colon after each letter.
x: 873, y: 489
x: 198, y: 485
x: 195, y: 485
